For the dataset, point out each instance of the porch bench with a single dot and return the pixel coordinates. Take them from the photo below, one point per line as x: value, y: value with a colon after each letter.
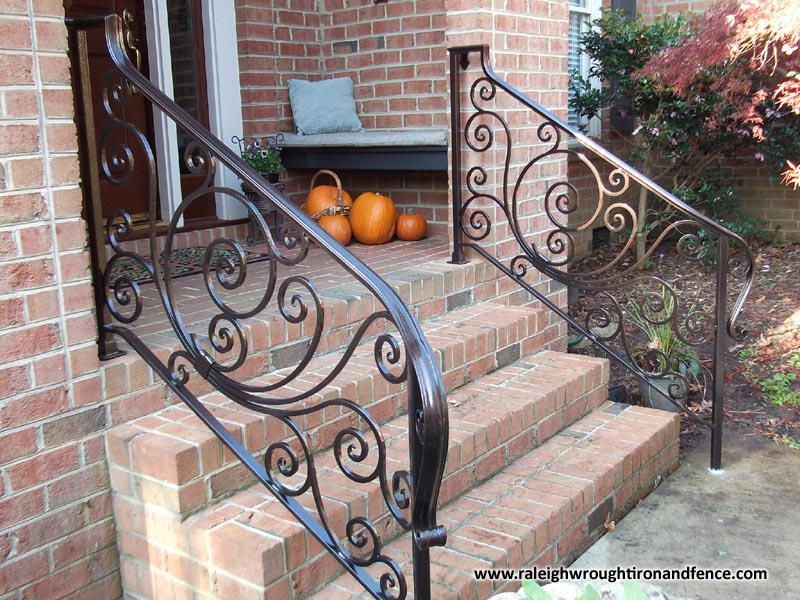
x: 372, y: 150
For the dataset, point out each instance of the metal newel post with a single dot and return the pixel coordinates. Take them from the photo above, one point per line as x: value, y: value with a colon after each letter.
x: 455, y: 153
x: 719, y: 353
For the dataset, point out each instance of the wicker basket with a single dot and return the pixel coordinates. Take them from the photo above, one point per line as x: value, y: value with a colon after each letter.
x: 340, y: 208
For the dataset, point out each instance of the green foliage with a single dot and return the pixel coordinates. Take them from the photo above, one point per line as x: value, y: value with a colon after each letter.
x: 264, y: 158
x: 778, y: 389
x: 533, y: 591
x: 618, y: 48
x: 665, y: 350
x: 681, y: 139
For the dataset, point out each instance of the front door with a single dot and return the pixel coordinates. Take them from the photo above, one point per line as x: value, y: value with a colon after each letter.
x: 188, y: 76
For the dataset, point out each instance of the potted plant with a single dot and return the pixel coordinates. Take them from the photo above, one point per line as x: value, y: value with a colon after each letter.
x: 666, y: 356
x: 263, y: 154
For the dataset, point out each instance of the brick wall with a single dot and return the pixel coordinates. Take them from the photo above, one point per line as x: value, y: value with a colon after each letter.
x: 528, y: 48
x: 394, y: 53
x: 56, y: 527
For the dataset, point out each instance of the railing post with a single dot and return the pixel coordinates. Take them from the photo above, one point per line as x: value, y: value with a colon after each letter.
x: 458, y: 257
x: 717, y: 407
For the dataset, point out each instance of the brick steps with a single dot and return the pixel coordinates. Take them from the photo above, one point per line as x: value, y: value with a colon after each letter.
x: 178, y: 460
x: 548, y: 506
x: 429, y: 285
x: 494, y: 420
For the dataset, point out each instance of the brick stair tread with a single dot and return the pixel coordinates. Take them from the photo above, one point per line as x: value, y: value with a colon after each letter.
x: 492, y: 422
x: 173, y: 446
x: 546, y: 507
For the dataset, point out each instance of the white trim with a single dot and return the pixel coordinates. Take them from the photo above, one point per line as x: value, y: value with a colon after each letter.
x: 165, y: 131
x: 224, y: 99
x: 224, y: 92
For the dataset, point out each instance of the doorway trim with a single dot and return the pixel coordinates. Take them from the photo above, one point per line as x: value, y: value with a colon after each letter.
x: 221, y: 50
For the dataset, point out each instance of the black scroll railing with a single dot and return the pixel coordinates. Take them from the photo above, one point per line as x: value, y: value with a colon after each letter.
x: 528, y: 190
x: 217, y: 350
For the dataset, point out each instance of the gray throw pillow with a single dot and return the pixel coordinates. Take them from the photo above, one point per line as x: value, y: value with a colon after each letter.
x: 325, y: 106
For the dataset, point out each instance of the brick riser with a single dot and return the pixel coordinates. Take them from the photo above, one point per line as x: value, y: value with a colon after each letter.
x: 546, y: 508
x: 493, y: 421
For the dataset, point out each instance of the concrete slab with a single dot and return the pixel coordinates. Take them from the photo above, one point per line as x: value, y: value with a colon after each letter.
x: 745, y: 517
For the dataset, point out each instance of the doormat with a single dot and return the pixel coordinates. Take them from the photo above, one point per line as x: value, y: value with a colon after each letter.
x: 185, y: 261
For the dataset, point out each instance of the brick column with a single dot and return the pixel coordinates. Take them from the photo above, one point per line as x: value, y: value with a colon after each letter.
x: 56, y: 529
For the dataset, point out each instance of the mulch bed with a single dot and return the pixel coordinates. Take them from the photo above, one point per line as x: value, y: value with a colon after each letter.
x: 762, y: 373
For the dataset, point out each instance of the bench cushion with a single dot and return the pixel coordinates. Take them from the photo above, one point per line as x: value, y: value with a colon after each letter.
x: 403, y: 150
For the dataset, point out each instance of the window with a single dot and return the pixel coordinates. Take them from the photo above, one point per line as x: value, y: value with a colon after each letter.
x: 581, y: 14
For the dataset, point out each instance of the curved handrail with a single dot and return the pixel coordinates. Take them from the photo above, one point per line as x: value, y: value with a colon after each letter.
x: 427, y: 404
x: 472, y: 224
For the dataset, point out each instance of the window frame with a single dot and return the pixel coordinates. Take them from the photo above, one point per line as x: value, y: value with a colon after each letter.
x: 590, y: 12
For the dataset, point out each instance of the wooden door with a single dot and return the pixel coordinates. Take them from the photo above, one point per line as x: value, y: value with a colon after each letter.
x: 132, y: 196
x: 186, y: 41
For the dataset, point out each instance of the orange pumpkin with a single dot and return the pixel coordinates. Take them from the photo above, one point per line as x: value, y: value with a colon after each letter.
x: 372, y: 218
x: 338, y: 227
x: 411, y: 227
x: 322, y: 197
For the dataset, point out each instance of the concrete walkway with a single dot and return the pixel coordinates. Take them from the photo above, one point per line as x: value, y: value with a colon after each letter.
x: 745, y: 517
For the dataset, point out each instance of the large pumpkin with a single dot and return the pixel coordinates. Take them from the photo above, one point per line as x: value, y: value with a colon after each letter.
x: 338, y: 227
x: 411, y: 227
x: 372, y: 218
x: 323, y: 197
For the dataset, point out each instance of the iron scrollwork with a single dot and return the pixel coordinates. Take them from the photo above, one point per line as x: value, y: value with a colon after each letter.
x: 217, y: 348
x: 503, y: 180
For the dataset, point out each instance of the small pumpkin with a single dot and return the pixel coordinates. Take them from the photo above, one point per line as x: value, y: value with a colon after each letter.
x: 338, y: 227
x: 372, y: 218
x: 411, y: 227
x: 323, y: 197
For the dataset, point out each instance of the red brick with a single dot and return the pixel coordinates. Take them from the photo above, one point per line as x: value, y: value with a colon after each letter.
x: 33, y: 407
x: 51, y: 36
x: 35, y: 240
x: 16, y: 69
x: 42, y: 305
x: 16, y: 572
x: 164, y: 458
x: 67, y: 581
x: 15, y: 34
x: 17, y: 444
x: 49, y: 370
x: 19, y: 139
x: 31, y: 274
x: 22, y: 208
x: 21, y: 103
x: 42, y: 467
x: 21, y: 507
x: 261, y: 564
x: 14, y: 380
x: 27, y: 173
x: 29, y: 342
x: 54, y: 70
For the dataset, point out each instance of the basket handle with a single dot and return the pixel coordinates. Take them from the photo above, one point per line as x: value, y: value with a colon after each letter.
x: 339, y: 200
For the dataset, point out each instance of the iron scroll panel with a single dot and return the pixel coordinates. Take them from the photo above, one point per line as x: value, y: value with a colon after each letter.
x: 220, y: 353
x: 494, y: 183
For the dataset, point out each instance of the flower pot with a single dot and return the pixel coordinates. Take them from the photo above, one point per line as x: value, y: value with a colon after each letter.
x: 262, y: 204
x: 653, y: 399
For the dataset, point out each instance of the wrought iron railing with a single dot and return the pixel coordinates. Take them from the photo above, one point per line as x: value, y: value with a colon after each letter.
x: 218, y: 351
x: 519, y: 203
